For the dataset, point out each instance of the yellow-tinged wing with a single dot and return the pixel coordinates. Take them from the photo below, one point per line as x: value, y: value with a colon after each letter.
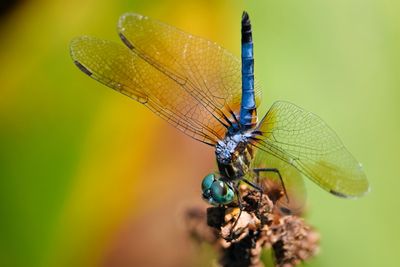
x: 192, y: 83
x: 293, y: 181
x: 117, y: 67
x: 303, y: 140
x: 207, y: 71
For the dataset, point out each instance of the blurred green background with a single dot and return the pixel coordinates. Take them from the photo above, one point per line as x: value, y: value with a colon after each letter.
x: 86, y: 179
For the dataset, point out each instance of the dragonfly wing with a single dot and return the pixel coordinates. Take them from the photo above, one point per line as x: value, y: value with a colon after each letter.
x: 292, y: 179
x: 206, y: 71
x: 117, y: 67
x: 303, y: 140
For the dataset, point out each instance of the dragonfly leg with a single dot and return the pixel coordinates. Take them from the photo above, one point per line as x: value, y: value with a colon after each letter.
x: 258, y: 170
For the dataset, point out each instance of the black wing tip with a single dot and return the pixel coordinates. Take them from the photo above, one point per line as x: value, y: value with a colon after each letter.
x: 366, y: 188
x: 83, y: 68
x: 125, y: 41
x: 342, y: 195
x: 339, y: 194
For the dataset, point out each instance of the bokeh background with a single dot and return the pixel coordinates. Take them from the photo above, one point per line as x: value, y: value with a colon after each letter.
x: 89, y: 178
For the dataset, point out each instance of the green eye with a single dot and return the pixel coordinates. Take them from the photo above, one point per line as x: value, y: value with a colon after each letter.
x: 206, y: 187
x: 207, y: 182
x: 221, y: 193
x: 215, y: 191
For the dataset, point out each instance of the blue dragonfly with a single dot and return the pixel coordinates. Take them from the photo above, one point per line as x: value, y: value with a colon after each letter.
x: 211, y: 95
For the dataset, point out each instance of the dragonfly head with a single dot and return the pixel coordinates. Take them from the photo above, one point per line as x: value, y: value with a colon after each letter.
x: 216, y: 191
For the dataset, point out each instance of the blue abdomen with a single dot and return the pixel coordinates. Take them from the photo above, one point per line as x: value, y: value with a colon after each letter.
x: 248, y: 112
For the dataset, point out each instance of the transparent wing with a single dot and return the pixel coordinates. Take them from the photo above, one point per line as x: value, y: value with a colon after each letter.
x: 209, y: 73
x: 117, y: 67
x: 292, y: 179
x: 303, y: 140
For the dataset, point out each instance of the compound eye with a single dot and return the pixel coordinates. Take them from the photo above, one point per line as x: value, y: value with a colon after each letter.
x: 221, y: 193
x: 207, y: 182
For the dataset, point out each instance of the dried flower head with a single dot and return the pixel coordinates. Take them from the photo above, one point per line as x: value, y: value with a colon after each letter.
x: 240, y: 236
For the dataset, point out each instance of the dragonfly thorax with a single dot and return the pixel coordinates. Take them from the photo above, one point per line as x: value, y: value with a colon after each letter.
x: 234, y: 154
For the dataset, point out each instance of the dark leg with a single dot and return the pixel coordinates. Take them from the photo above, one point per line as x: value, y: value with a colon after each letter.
x: 257, y: 172
x: 255, y: 186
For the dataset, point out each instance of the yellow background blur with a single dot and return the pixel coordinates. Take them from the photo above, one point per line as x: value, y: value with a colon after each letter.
x: 89, y: 178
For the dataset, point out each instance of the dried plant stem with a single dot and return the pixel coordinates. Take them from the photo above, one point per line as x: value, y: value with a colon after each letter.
x: 259, y: 226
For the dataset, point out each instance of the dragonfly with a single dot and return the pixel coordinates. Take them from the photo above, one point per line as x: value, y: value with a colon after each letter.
x: 211, y: 95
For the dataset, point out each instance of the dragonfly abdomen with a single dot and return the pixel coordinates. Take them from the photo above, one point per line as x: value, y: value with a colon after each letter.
x: 248, y: 112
